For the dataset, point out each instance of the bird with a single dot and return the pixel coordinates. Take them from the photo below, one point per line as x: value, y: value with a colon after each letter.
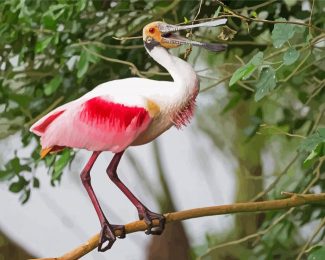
x: 128, y: 112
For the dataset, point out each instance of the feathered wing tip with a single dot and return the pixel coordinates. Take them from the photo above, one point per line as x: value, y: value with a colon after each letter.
x: 96, y: 124
x: 39, y: 128
x: 41, y: 125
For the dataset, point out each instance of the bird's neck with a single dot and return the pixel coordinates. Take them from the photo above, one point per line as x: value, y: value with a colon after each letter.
x: 182, y: 72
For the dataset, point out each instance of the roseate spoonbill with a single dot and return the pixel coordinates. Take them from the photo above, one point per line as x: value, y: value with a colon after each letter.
x: 127, y: 112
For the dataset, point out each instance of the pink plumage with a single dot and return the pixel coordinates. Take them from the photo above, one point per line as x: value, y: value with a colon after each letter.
x: 40, y: 127
x: 97, y: 124
x: 126, y: 112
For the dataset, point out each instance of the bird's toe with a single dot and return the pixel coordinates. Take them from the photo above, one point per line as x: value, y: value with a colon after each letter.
x: 149, y: 217
x: 107, y: 237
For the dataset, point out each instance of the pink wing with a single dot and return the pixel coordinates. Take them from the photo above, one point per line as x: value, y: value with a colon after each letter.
x: 97, y: 124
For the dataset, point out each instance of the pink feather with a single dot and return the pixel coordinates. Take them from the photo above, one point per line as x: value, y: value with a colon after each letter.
x: 96, y: 124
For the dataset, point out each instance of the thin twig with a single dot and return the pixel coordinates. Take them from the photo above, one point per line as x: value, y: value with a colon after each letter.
x: 52, y: 106
x: 260, y: 233
x: 292, y: 202
x: 317, y: 91
x: 294, y: 71
x: 215, y: 84
x: 106, y: 45
x: 311, y: 13
x: 280, y: 131
x: 254, y: 7
x: 277, y: 179
x: 198, y: 12
x: 127, y: 38
x: 133, y: 68
x: 242, y: 17
x: 317, y: 230
x: 249, y: 237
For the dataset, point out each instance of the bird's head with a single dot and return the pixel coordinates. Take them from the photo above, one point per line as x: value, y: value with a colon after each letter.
x: 163, y: 34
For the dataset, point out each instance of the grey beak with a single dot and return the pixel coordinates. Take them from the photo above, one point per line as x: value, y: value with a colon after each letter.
x: 167, y: 28
x: 176, y: 39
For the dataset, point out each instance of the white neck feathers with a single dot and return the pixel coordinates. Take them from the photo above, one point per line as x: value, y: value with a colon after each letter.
x: 182, y: 73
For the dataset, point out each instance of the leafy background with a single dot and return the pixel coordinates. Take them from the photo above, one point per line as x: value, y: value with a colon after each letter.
x: 266, y: 92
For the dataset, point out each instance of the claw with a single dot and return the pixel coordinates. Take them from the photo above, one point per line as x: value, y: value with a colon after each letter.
x: 121, y: 228
x: 107, y: 235
x: 148, y: 217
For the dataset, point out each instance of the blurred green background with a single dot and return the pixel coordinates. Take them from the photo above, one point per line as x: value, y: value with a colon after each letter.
x: 261, y: 104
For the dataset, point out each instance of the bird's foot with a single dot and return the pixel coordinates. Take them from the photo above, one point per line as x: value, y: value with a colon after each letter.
x: 108, y: 237
x: 148, y: 217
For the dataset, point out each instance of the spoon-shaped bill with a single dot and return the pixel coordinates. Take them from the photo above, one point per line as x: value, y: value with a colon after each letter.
x: 166, y: 28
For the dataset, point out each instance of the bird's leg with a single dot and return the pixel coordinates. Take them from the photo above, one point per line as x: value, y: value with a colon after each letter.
x: 144, y: 213
x: 107, y: 232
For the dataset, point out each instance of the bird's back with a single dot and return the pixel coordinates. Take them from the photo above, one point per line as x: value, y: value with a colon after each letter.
x: 111, y: 117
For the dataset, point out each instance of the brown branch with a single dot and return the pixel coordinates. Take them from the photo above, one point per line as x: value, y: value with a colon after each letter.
x: 295, y: 200
x: 262, y: 232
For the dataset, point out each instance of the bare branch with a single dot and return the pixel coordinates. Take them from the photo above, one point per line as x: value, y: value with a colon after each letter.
x: 295, y: 200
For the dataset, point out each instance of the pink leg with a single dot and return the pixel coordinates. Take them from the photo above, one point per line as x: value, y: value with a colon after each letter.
x: 145, y: 214
x: 107, y: 232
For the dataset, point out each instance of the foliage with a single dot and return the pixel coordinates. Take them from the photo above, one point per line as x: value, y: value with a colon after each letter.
x: 53, y: 52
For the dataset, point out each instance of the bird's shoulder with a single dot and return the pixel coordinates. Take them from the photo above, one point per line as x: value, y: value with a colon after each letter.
x: 137, y: 92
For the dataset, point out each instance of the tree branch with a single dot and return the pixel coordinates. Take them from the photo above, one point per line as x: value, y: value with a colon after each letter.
x: 295, y: 200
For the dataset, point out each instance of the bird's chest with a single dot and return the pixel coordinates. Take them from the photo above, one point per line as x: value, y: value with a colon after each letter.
x: 177, y: 112
x: 184, y: 112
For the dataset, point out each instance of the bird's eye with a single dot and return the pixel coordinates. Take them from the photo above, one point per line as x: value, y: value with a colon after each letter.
x: 151, y: 30
x: 149, y: 40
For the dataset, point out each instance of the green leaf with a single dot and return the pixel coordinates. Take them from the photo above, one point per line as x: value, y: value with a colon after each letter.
x: 317, y: 254
x: 232, y: 103
x: 290, y: 56
x: 6, y: 175
x: 313, y: 155
x: 16, y: 167
x: 266, y: 83
x: 42, y: 44
x: 254, y: 14
x: 92, y: 58
x: 216, y: 14
x: 49, y: 21
x: 255, y: 123
x: 36, y: 182
x: 60, y: 164
x: 282, y: 33
x: 257, y: 59
x: 25, y: 196
x: 18, y: 186
x: 81, y: 5
x: 312, y: 141
x: 83, y: 64
x: 57, y: 7
x: 53, y: 85
x: 309, y: 38
x: 21, y: 99
x: 300, y: 28
x: 246, y: 71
